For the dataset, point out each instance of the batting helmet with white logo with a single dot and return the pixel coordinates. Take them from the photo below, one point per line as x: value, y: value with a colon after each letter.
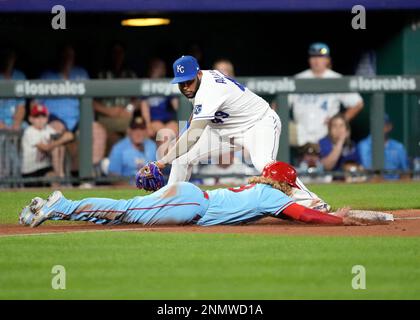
x: 281, y: 172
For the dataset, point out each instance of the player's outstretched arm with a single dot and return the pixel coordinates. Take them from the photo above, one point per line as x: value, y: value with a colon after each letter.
x: 184, y: 143
x: 340, y: 217
x: 303, y: 214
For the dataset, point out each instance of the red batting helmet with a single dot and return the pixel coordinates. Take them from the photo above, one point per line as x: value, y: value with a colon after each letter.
x: 281, y: 172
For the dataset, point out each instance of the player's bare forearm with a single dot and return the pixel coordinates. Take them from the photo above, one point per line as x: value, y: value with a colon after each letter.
x: 184, y: 143
x: 66, y: 137
x: 354, y: 111
x: 102, y: 109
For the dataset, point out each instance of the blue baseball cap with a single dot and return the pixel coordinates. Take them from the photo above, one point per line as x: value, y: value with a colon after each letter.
x: 185, y: 69
x: 319, y: 49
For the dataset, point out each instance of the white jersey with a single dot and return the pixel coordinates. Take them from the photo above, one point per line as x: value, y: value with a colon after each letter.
x: 312, y: 111
x: 229, y: 106
x: 32, y: 158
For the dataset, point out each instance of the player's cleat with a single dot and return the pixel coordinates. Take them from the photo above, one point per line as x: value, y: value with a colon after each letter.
x: 36, y: 204
x: 44, y: 209
x: 26, y: 216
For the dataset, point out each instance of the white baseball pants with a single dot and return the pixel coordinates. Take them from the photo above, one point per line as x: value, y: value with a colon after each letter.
x: 261, y: 141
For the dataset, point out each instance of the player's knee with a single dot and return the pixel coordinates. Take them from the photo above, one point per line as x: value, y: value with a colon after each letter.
x: 180, y: 162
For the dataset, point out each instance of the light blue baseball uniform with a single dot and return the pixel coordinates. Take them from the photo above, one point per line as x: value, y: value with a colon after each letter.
x: 181, y: 203
x: 243, y: 204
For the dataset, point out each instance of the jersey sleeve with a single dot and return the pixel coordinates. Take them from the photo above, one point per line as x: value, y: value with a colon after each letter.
x: 273, y: 201
x: 325, y: 147
x: 349, y: 100
x: 208, y: 102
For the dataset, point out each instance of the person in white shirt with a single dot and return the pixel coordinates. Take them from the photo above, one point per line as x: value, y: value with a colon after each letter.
x: 40, y: 144
x: 311, y: 112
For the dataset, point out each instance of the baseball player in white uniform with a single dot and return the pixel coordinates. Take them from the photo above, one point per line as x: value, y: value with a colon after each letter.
x: 225, y: 115
x: 311, y: 112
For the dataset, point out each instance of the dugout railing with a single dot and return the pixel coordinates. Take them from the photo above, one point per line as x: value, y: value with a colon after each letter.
x: 279, y: 87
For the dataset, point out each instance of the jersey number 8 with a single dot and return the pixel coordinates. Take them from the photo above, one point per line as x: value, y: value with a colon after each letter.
x: 219, y: 116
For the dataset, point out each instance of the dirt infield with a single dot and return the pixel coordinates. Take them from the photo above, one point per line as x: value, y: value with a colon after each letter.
x: 409, y: 225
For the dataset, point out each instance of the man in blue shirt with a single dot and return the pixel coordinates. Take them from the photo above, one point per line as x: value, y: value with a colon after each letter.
x: 134, y: 151
x: 12, y: 111
x: 395, y: 153
x: 65, y: 109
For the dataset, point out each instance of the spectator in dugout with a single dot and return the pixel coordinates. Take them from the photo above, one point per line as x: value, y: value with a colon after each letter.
x: 225, y: 66
x: 310, y: 159
x: 12, y: 110
x: 395, y: 153
x: 162, y: 114
x: 337, y: 148
x: 115, y: 113
x: 312, y: 112
x: 42, y: 147
x: 65, y: 111
x: 134, y: 151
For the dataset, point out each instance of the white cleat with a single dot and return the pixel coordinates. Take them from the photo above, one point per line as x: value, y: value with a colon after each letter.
x: 26, y: 216
x: 43, y: 209
x: 36, y: 204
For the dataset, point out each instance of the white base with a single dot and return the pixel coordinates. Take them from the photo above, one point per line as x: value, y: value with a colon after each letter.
x: 371, y: 215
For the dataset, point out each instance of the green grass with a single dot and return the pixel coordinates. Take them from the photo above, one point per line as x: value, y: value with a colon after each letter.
x: 152, y: 265
x: 208, y: 266
x: 375, y: 196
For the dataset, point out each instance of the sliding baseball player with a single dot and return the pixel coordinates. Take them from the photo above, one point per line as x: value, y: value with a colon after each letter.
x: 184, y: 203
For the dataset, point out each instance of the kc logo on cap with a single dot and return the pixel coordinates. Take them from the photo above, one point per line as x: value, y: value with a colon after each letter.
x: 180, y: 68
x: 185, y: 69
